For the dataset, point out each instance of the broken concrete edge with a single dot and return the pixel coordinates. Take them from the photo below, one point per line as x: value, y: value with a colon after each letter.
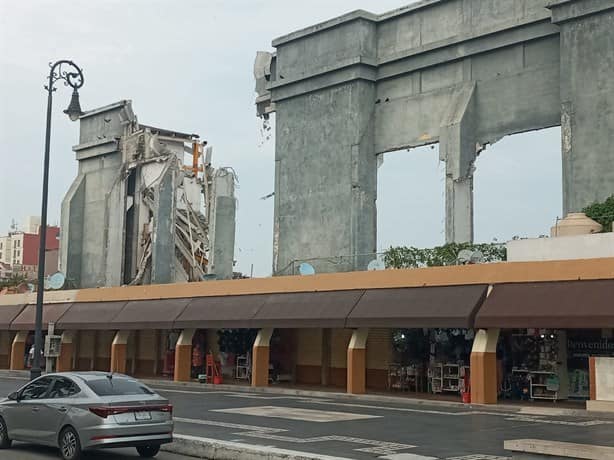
x: 213, y: 449
x: 538, y: 448
x: 397, y: 400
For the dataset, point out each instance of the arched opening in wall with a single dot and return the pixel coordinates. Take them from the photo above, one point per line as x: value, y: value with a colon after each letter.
x: 410, y: 198
x: 518, y: 186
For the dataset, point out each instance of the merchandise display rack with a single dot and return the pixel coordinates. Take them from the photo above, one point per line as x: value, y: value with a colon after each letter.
x: 447, y: 377
x: 539, y: 387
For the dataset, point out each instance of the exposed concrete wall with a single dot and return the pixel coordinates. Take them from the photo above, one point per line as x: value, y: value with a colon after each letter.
x: 325, y: 176
x: 460, y: 72
x: 86, y: 225
x: 71, y: 236
x: 163, y: 252
x: 587, y: 98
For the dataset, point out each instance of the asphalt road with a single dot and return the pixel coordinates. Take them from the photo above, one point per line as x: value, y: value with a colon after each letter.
x: 354, y: 429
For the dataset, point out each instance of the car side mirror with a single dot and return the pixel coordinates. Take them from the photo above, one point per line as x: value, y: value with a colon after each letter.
x: 14, y: 396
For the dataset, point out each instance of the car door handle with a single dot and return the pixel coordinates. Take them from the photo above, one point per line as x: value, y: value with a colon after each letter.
x: 35, y: 409
x: 62, y: 409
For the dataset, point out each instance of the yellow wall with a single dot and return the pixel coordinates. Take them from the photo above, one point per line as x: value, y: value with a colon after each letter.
x: 340, y: 338
x: 86, y: 344
x: 379, y: 348
x: 5, y: 342
x: 309, y: 347
x: 105, y: 339
x: 146, y: 348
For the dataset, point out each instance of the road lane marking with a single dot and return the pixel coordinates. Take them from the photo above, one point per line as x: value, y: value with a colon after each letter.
x: 248, y: 396
x: 166, y: 390
x: 295, y: 413
x: 479, y: 457
x: 259, y: 450
x: 407, y: 457
x: 274, y: 434
x: 525, y: 415
x: 508, y: 416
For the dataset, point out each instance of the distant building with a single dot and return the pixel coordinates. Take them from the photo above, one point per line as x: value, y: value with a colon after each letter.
x: 19, y: 249
x: 5, y: 271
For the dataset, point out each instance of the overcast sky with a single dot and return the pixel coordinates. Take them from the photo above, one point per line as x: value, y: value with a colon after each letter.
x: 187, y: 65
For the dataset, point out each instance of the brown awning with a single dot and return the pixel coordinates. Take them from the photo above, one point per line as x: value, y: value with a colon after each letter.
x: 149, y: 314
x: 555, y: 305
x: 446, y: 306
x: 220, y: 312
x: 51, y: 312
x: 307, y: 309
x: 8, y: 314
x: 90, y: 315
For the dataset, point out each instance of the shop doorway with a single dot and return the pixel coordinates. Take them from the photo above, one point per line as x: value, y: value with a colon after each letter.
x: 431, y: 362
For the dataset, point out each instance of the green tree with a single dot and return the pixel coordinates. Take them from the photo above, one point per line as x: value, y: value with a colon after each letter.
x: 13, y: 281
x: 602, y: 212
x: 411, y: 257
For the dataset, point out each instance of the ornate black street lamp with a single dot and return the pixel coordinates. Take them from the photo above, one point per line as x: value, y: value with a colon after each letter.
x: 72, y: 76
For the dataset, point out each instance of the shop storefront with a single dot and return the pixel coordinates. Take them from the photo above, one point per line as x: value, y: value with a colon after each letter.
x: 435, y: 361
x: 549, y: 364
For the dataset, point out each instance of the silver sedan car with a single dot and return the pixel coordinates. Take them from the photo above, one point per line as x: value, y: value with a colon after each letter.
x: 76, y: 411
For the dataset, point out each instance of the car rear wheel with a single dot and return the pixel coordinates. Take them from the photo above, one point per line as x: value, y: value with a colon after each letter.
x: 5, y: 441
x: 148, y: 451
x: 70, y: 446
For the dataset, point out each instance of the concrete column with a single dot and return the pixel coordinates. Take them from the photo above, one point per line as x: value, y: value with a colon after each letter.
x: 119, y: 350
x: 458, y: 149
x: 260, y: 358
x: 163, y: 248
x: 325, y: 357
x: 224, y: 222
x: 156, y: 352
x: 357, y: 362
x: 592, y: 379
x: 94, y: 349
x: 65, y: 360
x: 587, y: 100
x: 183, y: 356
x: 134, y: 352
x: 18, y: 350
x: 484, y: 367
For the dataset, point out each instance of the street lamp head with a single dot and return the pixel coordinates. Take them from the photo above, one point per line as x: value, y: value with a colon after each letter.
x: 74, y: 108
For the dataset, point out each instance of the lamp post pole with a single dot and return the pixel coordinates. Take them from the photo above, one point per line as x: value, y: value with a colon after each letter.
x: 72, y: 76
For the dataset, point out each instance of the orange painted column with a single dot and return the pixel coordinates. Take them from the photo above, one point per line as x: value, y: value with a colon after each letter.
x: 592, y: 378
x: 183, y: 356
x: 260, y: 358
x: 18, y: 350
x: 119, y: 350
x: 357, y: 362
x: 484, y: 367
x: 64, y: 361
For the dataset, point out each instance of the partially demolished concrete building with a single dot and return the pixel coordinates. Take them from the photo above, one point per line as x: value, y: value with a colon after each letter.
x: 138, y: 213
x: 461, y: 73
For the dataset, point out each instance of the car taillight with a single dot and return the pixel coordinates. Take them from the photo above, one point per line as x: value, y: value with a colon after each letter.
x: 105, y: 411
x: 168, y: 408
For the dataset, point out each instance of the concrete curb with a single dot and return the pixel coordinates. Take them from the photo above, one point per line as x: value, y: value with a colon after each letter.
x: 213, y: 449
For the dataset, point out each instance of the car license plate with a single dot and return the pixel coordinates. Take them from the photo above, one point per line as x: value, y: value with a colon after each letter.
x: 142, y: 415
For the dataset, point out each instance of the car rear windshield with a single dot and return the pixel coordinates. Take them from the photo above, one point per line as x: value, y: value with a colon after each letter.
x: 117, y: 386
